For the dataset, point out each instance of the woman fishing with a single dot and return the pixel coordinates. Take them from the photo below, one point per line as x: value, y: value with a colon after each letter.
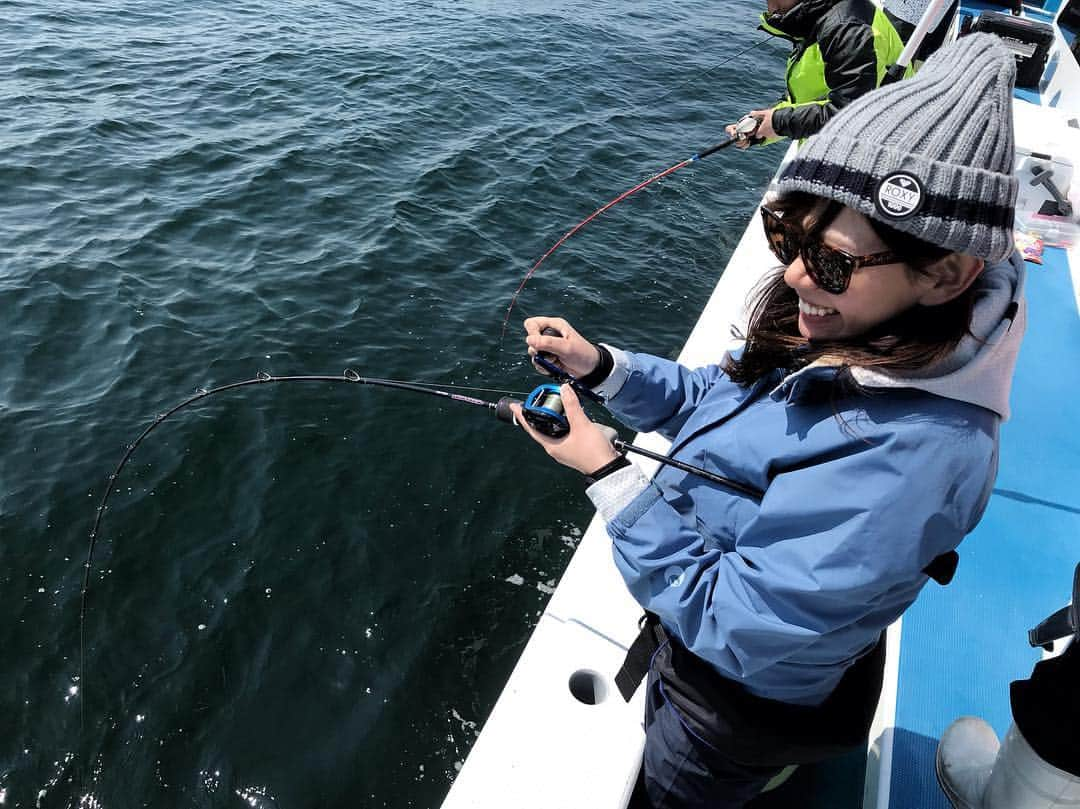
x: 864, y: 406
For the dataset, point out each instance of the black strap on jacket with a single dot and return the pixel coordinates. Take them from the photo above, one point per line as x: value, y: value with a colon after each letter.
x: 942, y: 568
x: 651, y: 636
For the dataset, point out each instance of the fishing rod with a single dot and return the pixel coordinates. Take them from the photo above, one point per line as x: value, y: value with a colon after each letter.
x: 542, y: 408
x: 745, y: 130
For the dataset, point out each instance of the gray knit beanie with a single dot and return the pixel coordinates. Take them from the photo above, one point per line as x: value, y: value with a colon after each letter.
x: 931, y: 155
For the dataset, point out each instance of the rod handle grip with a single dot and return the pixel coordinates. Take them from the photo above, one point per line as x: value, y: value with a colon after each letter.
x: 503, y: 411
x: 610, y: 433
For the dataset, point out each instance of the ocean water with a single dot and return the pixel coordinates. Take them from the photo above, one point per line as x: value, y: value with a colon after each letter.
x: 310, y: 595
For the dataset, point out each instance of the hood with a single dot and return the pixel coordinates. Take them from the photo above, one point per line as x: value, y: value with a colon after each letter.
x: 798, y: 21
x: 980, y: 369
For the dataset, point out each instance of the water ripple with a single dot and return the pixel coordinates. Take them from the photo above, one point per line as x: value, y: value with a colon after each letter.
x: 300, y: 594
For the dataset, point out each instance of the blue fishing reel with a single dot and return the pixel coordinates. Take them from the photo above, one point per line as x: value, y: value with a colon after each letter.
x: 543, y: 409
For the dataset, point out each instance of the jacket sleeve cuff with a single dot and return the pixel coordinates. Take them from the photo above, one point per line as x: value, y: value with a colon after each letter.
x: 617, y: 378
x: 613, y: 493
x: 781, y: 121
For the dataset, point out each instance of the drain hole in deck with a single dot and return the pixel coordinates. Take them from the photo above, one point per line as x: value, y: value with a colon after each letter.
x: 588, y: 687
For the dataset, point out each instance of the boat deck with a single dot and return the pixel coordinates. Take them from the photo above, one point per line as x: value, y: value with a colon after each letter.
x: 962, y: 645
x: 959, y: 647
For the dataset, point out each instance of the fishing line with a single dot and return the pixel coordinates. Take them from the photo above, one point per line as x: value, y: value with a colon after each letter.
x: 712, y: 69
x: 421, y: 383
x: 639, y: 107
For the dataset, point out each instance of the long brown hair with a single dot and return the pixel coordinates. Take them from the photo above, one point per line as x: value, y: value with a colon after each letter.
x: 909, y: 341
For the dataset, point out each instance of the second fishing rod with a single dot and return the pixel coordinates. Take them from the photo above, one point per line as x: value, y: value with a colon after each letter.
x: 745, y: 132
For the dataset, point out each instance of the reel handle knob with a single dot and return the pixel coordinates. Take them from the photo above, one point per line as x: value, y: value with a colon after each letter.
x: 546, y: 355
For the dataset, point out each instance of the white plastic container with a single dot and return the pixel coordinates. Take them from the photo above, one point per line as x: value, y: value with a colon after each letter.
x: 1037, y: 210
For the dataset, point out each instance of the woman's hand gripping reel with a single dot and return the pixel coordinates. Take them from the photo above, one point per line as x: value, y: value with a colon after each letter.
x: 543, y: 407
x: 543, y: 410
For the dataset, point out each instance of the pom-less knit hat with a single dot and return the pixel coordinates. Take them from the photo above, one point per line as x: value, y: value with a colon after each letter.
x: 931, y: 155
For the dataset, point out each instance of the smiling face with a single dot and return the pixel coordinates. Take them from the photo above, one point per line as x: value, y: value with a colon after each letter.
x: 874, y: 295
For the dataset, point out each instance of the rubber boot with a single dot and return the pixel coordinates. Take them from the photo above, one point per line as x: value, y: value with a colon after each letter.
x: 975, y: 772
x: 1022, y: 780
x: 965, y: 758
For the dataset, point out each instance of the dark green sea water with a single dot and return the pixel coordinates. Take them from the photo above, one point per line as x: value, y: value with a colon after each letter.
x: 310, y: 596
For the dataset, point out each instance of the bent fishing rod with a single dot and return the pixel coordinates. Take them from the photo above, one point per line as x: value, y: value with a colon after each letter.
x: 349, y: 376
x: 745, y: 131
x: 542, y: 409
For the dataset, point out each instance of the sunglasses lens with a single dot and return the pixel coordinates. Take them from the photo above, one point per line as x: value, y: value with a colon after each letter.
x: 782, y: 241
x: 829, y: 269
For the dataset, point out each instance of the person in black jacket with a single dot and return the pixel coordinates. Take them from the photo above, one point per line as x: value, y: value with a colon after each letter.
x: 840, y: 50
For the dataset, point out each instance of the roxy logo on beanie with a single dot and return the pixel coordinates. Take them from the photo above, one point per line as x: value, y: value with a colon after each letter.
x: 898, y: 196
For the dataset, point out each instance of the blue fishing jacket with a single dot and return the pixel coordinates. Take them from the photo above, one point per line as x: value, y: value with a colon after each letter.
x: 861, y: 492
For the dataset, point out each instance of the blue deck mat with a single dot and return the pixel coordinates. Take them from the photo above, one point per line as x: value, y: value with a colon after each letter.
x: 963, y: 644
